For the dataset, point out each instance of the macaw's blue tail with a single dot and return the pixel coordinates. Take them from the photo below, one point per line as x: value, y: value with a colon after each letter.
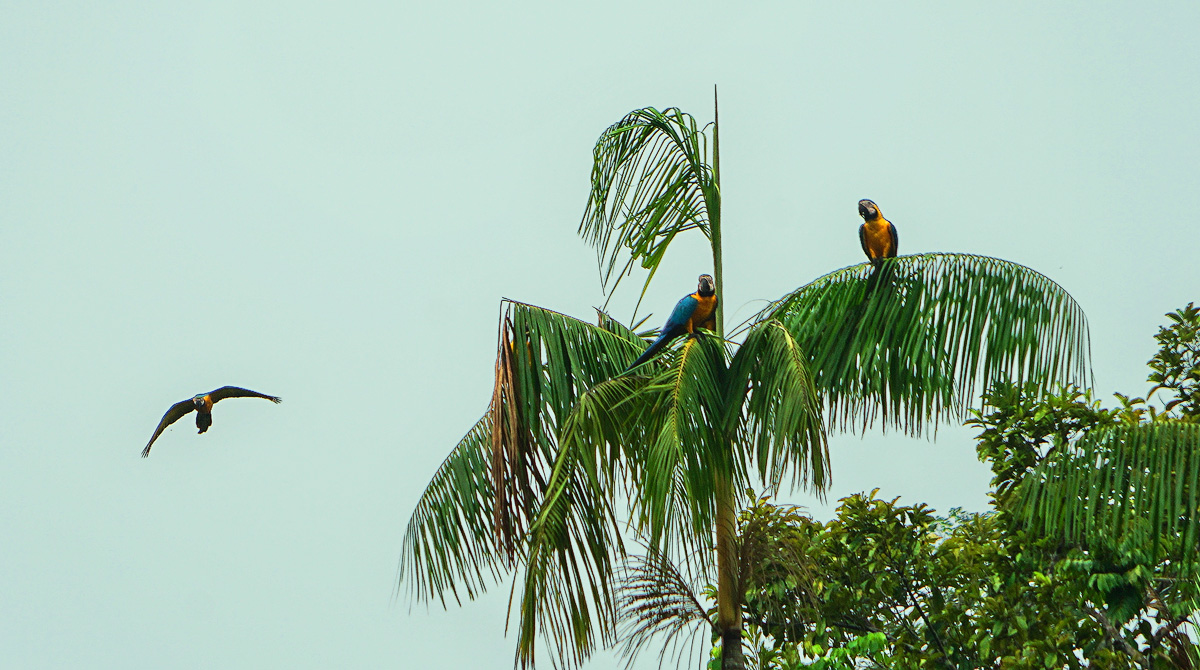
x: 654, y: 349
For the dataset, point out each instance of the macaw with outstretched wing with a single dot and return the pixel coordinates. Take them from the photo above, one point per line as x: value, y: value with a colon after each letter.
x: 202, y: 404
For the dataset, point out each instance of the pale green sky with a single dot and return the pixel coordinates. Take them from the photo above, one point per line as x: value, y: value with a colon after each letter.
x: 326, y: 202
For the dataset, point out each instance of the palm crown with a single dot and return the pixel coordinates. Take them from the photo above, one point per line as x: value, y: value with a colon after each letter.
x: 572, y: 452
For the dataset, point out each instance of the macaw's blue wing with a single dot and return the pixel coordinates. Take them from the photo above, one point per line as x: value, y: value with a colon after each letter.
x: 684, y: 309
x: 676, y: 325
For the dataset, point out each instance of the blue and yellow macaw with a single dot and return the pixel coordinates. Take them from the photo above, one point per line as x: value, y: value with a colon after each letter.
x: 878, y: 237
x: 202, y: 405
x: 877, y: 234
x: 698, y: 310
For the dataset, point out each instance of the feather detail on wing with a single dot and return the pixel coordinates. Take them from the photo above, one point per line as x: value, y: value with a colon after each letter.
x: 177, y: 411
x: 235, y: 392
x: 677, y: 322
x: 676, y: 325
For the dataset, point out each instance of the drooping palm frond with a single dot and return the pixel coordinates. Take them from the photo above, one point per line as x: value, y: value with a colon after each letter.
x: 545, y: 362
x: 553, y: 502
x: 567, y: 595
x: 574, y: 545
x: 668, y: 439
x: 676, y: 471
x: 468, y: 524
x: 1140, y: 481
x: 555, y: 358
x: 651, y: 181
x: 782, y: 427
x: 449, y: 543
x: 658, y: 602
x: 936, y: 328
x: 653, y: 437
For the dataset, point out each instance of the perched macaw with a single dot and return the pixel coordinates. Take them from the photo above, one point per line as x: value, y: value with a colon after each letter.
x: 878, y: 237
x: 877, y: 234
x: 202, y: 404
x: 698, y: 310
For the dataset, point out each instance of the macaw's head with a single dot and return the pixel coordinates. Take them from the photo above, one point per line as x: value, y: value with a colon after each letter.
x: 198, y: 400
x: 868, y: 210
x: 707, y: 286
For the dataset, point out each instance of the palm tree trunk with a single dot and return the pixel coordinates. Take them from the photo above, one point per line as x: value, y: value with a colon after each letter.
x: 714, y: 218
x: 729, y: 601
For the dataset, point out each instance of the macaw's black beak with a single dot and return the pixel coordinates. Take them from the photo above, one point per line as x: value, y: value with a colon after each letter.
x: 866, y: 209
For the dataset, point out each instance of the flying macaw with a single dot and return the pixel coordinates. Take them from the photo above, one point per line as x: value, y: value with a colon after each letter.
x: 878, y: 237
x: 202, y: 404
x: 698, y: 310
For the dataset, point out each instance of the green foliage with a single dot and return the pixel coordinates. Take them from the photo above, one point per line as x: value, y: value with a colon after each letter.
x: 663, y: 438
x: 938, y: 327
x: 1142, y: 481
x: 651, y: 181
x: 659, y: 606
x: 449, y: 541
x: 1050, y: 454
x: 569, y: 438
x: 843, y: 658
x: 1133, y: 474
x: 1176, y: 366
x: 1088, y: 559
x: 880, y: 569
x: 954, y: 592
x: 1027, y: 423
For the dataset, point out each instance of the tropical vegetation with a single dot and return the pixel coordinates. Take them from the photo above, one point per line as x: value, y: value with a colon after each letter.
x: 1021, y: 586
x: 583, y: 476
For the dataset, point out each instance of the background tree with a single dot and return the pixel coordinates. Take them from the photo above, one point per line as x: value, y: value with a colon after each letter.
x: 573, y: 452
x: 1126, y: 493
x: 991, y: 590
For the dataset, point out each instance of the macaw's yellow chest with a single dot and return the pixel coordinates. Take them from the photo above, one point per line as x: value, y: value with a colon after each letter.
x: 879, y: 238
x: 706, y: 307
x: 206, y: 404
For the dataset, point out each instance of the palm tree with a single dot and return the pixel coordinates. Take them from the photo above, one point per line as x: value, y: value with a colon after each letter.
x: 573, y: 452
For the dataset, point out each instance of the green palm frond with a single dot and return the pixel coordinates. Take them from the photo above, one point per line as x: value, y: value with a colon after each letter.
x: 607, y: 323
x: 658, y: 602
x: 1139, y: 481
x: 651, y: 181
x: 552, y: 510
x: 783, y: 427
x: 664, y: 438
x: 567, y: 598
x: 545, y: 362
x: 675, y: 468
x: 573, y: 545
x: 654, y: 438
x: 449, y: 543
x: 556, y: 358
x: 493, y: 482
x: 936, y: 328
